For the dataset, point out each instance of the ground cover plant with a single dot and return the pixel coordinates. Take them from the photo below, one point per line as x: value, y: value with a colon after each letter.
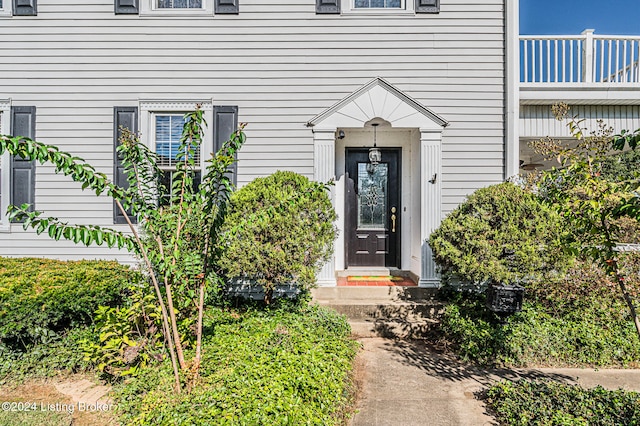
x: 281, y: 366
x: 549, y: 403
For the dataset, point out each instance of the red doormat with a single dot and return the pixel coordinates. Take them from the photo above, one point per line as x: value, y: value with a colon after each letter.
x: 375, y: 281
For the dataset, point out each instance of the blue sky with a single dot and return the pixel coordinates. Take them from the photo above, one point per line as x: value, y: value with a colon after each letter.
x: 569, y: 17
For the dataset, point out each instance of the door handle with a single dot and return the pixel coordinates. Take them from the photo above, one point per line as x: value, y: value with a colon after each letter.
x: 393, y: 219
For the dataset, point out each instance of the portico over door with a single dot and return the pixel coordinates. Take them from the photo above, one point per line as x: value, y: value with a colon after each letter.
x: 372, y: 203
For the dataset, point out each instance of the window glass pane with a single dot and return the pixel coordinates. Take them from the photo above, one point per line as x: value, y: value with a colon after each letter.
x: 178, y: 4
x: 166, y: 180
x: 377, y: 4
x: 372, y: 196
x: 167, y: 143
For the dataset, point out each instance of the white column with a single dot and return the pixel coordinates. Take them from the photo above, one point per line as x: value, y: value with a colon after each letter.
x: 587, y: 57
x: 512, y: 92
x: 430, y: 200
x: 324, y: 169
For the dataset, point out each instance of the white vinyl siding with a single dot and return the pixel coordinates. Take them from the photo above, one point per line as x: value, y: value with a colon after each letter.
x: 537, y: 121
x: 280, y: 63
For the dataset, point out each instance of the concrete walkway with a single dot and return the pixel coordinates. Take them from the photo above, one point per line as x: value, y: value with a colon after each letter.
x: 406, y: 383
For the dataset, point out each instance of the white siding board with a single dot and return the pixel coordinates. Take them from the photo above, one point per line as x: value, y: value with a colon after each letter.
x: 279, y: 62
x: 537, y: 121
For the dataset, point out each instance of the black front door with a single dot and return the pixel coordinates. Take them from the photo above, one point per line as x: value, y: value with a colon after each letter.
x: 372, y: 208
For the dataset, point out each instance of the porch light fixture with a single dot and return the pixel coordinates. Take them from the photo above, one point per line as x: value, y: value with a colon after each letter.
x: 375, y: 156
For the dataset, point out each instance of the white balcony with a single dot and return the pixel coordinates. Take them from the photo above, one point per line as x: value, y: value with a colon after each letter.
x: 585, y: 69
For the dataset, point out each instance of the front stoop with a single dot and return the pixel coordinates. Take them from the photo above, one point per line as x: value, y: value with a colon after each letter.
x: 401, y: 312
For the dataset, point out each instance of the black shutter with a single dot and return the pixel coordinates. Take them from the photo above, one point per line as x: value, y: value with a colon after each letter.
x: 225, y: 122
x: 328, y: 6
x: 25, y: 8
x: 23, y: 172
x: 126, y: 117
x: 126, y: 7
x: 227, y: 7
x: 427, y: 6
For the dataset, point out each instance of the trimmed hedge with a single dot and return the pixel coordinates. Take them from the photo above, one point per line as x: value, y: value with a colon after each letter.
x: 279, y: 230
x: 499, y: 233
x: 549, y: 403
x: 41, y: 297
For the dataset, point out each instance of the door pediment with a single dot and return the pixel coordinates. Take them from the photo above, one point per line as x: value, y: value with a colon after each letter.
x: 378, y: 99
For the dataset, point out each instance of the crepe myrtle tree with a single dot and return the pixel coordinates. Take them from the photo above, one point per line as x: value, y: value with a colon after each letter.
x: 177, y: 244
x: 592, y: 203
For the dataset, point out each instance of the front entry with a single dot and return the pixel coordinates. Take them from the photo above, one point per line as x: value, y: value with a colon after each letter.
x: 372, y: 222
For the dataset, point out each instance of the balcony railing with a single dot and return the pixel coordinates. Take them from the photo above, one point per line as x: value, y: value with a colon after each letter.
x: 587, y: 58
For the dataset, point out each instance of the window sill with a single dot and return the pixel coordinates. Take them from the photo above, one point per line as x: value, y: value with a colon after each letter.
x: 5, y: 229
x: 378, y: 12
x: 177, y: 13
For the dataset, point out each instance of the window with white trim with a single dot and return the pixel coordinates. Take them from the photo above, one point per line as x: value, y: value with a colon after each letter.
x: 163, y: 122
x: 377, y: 4
x: 5, y: 120
x: 5, y: 8
x: 178, y: 4
x: 167, y: 133
x: 177, y: 7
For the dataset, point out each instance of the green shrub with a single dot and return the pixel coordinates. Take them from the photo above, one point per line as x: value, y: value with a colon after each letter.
x: 599, y: 334
x: 276, y: 367
x: 279, y: 230
x: 548, y: 403
x: 41, y: 297
x: 500, y: 233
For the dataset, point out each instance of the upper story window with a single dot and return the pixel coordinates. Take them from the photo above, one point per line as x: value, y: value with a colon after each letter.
x: 377, y: 7
x: 18, y: 8
x: 176, y: 7
x: 5, y: 7
x: 378, y: 4
x: 179, y: 4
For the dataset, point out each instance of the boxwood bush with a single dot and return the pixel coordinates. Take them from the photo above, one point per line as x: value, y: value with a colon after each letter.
x: 43, y: 297
x: 549, y: 403
x: 275, y: 367
x: 500, y: 233
x: 279, y: 230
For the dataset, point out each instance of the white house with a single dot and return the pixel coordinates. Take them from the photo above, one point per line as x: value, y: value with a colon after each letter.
x: 433, y: 83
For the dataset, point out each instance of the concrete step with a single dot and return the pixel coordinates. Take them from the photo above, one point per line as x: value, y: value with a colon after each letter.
x: 402, y: 312
x: 392, y: 310
x: 391, y: 293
